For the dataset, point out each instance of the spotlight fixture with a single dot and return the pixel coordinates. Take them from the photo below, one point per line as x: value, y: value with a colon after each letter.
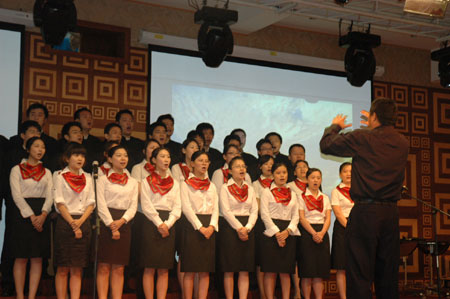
x: 56, y: 18
x: 359, y: 60
x: 443, y: 57
x: 215, y: 39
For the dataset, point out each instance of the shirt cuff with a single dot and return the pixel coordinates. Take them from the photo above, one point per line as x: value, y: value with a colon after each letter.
x: 270, y: 232
x: 294, y: 230
x: 27, y: 212
x: 215, y: 225
x: 249, y: 227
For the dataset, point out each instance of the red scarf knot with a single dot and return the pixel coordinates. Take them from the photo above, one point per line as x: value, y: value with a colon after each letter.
x: 198, y: 184
x: 282, y: 195
x: 225, y: 173
x: 35, y: 172
x: 116, y: 178
x: 184, y: 170
x: 300, y: 185
x: 266, y: 182
x: 105, y: 169
x: 76, y: 182
x: 158, y: 184
x: 345, y: 191
x: 149, y: 167
x: 313, y: 203
x: 240, y: 194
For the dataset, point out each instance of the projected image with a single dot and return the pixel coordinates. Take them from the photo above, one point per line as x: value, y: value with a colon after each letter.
x: 298, y: 120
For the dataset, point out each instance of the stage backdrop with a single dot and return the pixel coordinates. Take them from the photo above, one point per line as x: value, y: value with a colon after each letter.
x: 65, y: 82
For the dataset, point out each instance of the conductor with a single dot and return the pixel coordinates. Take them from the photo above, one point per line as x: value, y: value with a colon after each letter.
x: 379, y: 155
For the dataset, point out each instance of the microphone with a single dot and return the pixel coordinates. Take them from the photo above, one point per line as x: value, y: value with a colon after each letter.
x: 95, y: 168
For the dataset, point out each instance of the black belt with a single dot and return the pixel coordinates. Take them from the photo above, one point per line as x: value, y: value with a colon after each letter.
x: 376, y: 202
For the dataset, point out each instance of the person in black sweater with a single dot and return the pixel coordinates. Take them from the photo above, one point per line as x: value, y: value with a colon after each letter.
x: 133, y: 145
x: 215, y: 156
x: 92, y: 144
x: 296, y: 153
x: 249, y: 159
x: 173, y: 146
x: 70, y: 132
x: 276, y: 141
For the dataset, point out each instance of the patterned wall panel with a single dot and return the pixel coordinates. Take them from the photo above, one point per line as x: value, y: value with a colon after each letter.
x: 65, y: 82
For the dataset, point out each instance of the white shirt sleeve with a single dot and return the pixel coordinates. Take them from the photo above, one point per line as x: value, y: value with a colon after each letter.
x: 103, y: 211
x: 47, y: 207
x: 293, y: 225
x: 176, y: 208
x: 224, y: 203
x: 253, y: 213
x: 271, y: 228
x: 217, y: 179
x: 22, y: 205
x: 147, y: 206
x: 187, y: 208
x: 215, y: 214
x: 131, y: 211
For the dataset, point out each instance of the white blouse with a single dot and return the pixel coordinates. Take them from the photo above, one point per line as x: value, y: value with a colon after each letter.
x: 76, y: 203
x: 294, y: 188
x: 140, y: 173
x: 116, y: 196
x: 314, y: 216
x: 21, y: 189
x: 217, y: 178
x: 270, y: 209
x: 258, y: 187
x: 338, y: 199
x: 200, y: 202
x: 177, y: 174
x: 152, y: 202
x: 108, y: 166
x: 230, y: 207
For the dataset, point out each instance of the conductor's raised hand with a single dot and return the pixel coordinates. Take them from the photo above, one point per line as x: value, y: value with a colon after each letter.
x: 340, y: 121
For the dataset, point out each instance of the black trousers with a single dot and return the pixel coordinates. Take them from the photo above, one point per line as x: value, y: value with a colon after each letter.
x: 372, y: 251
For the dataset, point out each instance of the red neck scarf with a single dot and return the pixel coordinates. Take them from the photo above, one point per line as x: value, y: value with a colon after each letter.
x: 76, y: 182
x: 225, y: 173
x: 313, y: 203
x: 158, y: 184
x: 121, y: 179
x: 184, y: 170
x: 266, y: 182
x: 241, y: 194
x: 300, y: 185
x: 198, y: 184
x: 282, y: 195
x: 105, y: 170
x: 345, y: 191
x: 149, y: 167
x: 36, y: 172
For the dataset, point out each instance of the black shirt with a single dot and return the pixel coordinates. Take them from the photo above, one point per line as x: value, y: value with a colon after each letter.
x: 94, y: 151
x: 282, y: 158
x: 252, y: 165
x: 175, y: 151
x: 135, y: 148
x: 217, y: 160
x: 379, y: 160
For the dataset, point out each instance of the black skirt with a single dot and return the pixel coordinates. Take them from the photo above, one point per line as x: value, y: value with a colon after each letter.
x: 155, y: 251
x: 278, y: 259
x: 27, y: 242
x: 111, y: 251
x: 313, y: 259
x: 338, y: 247
x: 135, y: 247
x: 68, y: 251
x: 197, y: 253
x: 235, y: 255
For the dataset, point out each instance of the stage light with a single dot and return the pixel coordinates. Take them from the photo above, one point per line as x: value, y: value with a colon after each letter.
x: 215, y: 39
x: 55, y: 18
x: 443, y: 57
x: 360, y: 63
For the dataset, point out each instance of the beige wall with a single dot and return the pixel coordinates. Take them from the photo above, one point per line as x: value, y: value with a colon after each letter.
x: 402, y: 65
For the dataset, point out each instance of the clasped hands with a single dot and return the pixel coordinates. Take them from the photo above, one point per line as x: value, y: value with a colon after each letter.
x: 207, y: 231
x: 281, y: 237
x: 115, y: 226
x: 318, y: 237
x: 38, y: 221
x: 242, y: 233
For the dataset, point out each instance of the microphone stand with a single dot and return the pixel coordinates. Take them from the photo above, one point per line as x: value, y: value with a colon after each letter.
x: 97, y: 225
x: 434, y: 211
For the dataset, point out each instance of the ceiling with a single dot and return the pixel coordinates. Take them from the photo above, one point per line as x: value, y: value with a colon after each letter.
x: 386, y: 18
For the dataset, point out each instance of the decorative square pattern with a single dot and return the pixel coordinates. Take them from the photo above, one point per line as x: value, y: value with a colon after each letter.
x: 419, y: 98
x: 426, y: 219
x: 42, y: 82
x: 441, y: 113
x: 426, y: 194
x: 415, y: 141
x: 425, y: 155
x: 141, y: 116
x: 442, y: 163
x: 408, y: 229
x: 52, y: 107
x: 111, y: 113
x: 402, y: 122
x: 106, y: 89
x: 443, y: 222
x: 419, y: 123
x: 410, y: 181
x: 426, y: 181
x: 66, y: 109
x: 426, y: 168
x: 75, y: 61
x: 427, y: 233
x: 138, y: 63
x: 135, y: 93
x: 400, y: 94
x: 425, y: 142
x: 38, y: 53
x: 380, y: 90
x: 98, y: 112
x: 75, y: 86
x: 106, y: 66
